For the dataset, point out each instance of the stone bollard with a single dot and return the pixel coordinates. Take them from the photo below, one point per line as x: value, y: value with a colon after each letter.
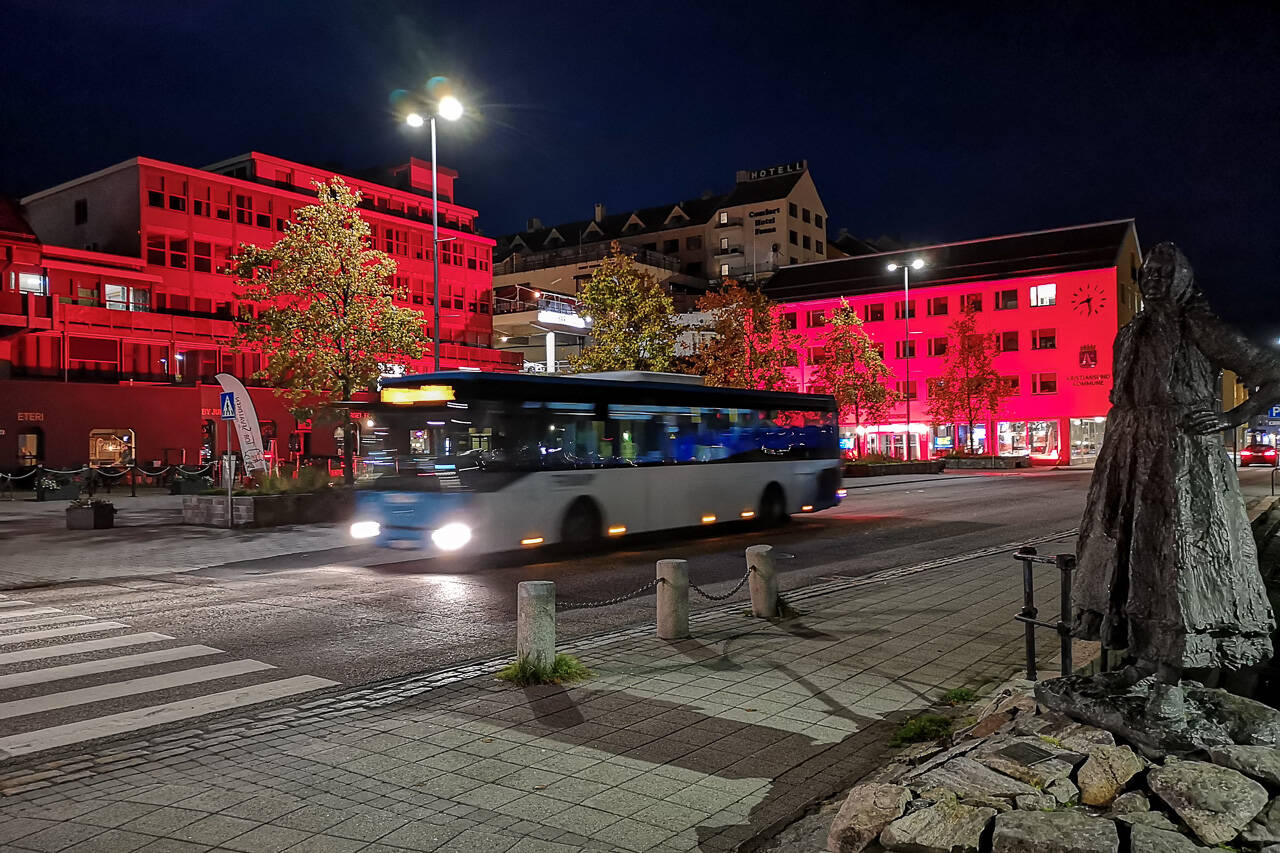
x: 673, y: 599
x: 536, y: 622
x: 763, y: 581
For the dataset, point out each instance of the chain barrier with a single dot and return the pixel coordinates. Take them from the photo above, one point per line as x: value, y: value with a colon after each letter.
x: 30, y: 473
x: 581, y: 605
x: 700, y: 591
x: 106, y: 473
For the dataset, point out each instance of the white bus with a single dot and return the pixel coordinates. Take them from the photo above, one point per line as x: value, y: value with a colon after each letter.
x: 466, y: 462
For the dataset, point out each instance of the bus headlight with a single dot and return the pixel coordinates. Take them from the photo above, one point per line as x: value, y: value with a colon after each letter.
x: 365, y: 529
x: 452, y: 536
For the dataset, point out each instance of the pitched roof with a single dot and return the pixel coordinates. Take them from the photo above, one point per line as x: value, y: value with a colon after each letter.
x: 12, y: 222
x: 1078, y: 247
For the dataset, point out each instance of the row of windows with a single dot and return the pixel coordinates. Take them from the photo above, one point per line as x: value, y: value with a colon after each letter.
x: 1041, y: 339
x: 405, y: 243
x: 805, y: 243
x: 1040, y: 296
x: 804, y: 214
x: 1041, y: 383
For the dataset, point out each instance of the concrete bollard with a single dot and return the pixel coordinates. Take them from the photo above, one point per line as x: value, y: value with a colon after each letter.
x: 763, y: 581
x: 536, y: 622
x: 673, y: 599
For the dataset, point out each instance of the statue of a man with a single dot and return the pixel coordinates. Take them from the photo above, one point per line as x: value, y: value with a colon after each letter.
x: 1167, y: 563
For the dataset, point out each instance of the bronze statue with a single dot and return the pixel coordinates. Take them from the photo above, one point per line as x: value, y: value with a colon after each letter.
x: 1167, y: 563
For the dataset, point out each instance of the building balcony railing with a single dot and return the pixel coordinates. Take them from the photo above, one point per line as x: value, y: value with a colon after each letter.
x: 556, y: 304
x: 589, y: 253
x: 725, y: 251
x: 729, y: 222
x: 748, y: 272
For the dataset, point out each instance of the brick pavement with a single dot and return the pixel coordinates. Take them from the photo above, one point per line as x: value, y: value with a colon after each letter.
x: 701, y: 744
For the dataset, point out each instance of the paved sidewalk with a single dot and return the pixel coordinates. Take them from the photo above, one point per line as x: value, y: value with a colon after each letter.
x: 695, y: 745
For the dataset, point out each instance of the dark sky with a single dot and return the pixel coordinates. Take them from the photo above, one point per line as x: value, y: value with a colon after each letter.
x: 925, y: 121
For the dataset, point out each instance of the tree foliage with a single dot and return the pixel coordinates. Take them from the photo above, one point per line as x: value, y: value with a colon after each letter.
x: 632, y: 318
x: 322, y: 314
x: 969, y: 389
x: 852, y: 370
x: 749, y: 345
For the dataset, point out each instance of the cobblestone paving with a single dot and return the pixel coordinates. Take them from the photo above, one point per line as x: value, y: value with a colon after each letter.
x: 694, y: 745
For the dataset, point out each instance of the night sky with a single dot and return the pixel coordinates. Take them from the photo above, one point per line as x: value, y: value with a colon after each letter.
x: 923, y: 121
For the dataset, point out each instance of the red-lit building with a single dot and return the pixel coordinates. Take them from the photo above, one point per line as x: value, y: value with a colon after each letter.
x: 114, y: 316
x: 1053, y: 299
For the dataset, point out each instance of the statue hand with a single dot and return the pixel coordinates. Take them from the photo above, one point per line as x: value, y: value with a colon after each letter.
x: 1204, y: 422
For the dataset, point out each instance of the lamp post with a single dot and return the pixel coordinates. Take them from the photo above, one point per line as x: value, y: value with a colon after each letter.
x: 916, y: 264
x: 449, y: 108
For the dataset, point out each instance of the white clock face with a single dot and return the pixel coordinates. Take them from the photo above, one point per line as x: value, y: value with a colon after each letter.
x: 1088, y: 299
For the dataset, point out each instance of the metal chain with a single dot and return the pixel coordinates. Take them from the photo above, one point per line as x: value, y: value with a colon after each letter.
x: 579, y: 605
x: 700, y: 591
x: 30, y: 473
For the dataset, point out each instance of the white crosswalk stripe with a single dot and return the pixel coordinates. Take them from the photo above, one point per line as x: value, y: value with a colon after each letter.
x: 60, y: 684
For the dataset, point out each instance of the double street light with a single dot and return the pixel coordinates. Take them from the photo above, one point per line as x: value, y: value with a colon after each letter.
x: 450, y: 109
x: 917, y: 264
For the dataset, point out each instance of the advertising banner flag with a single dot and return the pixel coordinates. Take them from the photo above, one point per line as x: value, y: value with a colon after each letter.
x: 246, y: 421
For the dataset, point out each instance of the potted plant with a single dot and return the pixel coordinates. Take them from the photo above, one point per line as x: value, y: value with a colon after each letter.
x: 190, y: 484
x: 90, y: 514
x: 56, y: 487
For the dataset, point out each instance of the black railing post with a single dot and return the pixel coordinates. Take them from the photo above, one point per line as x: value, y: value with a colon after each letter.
x: 1067, y: 566
x: 1029, y: 611
x: 133, y: 482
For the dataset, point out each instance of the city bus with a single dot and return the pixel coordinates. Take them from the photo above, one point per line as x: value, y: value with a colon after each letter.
x: 467, y: 462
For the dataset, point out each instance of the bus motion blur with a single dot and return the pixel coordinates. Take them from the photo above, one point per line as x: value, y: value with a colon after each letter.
x: 466, y: 462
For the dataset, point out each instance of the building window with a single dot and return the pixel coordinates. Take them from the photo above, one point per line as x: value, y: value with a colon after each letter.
x: 724, y: 243
x: 33, y: 283
x: 1010, y: 384
x: 1043, y: 295
x: 724, y: 270
x: 177, y: 202
x: 878, y: 346
x: 1005, y: 300
x: 1007, y: 341
x: 1044, y: 339
x: 805, y: 242
x: 178, y: 253
x: 669, y: 246
x: 794, y: 260
x: 795, y: 240
x: 222, y: 209
x: 155, y: 198
x: 904, y: 349
x: 155, y: 249
x: 692, y: 243
x: 81, y: 211
x: 908, y: 389
x: 817, y: 246
x: 815, y: 355
x: 817, y: 219
x: 201, y: 256
x: 789, y: 320
x: 264, y: 220
x: 903, y: 310
x: 724, y: 217
x: 791, y: 208
x: 1044, y: 383
x: 937, y: 306
x: 244, y: 209
x: 804, y: 214
x: 937, y: 346
x: 971, y: 302
x: 873, y: 313
x: 816, y: 319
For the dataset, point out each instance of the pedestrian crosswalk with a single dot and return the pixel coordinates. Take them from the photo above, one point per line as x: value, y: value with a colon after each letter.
x: 72, y: 677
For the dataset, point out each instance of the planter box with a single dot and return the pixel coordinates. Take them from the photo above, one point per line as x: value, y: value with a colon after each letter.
x: 100, y: 517
x: 988, y: 462
x: 269, y: 510
x: 885, y: 469
x: 65, y: 492
x: 183, y: 486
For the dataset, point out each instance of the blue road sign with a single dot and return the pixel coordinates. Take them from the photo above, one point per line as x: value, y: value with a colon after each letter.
x: 227, y: 401
x: 1274, y: 413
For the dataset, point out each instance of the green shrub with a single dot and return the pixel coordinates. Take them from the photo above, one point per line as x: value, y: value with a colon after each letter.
x: 565, y: 668
x: 922, y: 728
x: 876, y: 459
x: 959, y: 696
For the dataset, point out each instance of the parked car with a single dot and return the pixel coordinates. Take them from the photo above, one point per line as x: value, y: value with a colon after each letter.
x: 1258, y: 454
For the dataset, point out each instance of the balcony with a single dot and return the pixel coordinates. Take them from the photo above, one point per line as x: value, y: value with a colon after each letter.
x: 580, y: 255
x: 726, y: 251
x: 25, y: 311
x: 729, y: 222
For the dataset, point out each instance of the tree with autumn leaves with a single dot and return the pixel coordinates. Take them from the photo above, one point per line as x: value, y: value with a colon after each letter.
x: 749, y: 345
x: 852, y: 369
x: 970, y: 390
x: 632, y: 318
x: 322, y: 314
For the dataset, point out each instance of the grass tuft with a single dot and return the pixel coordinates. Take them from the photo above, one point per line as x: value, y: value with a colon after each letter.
x: 524, y: 672
x: 922, y: 728
x: 959, y: 696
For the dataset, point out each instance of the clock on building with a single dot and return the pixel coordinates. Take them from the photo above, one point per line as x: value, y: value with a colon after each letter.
x: 1088, y: 299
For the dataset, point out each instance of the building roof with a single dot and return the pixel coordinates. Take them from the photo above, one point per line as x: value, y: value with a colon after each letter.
x: 13, y: 224
x: 1078, y: 247
x: 652, y: 219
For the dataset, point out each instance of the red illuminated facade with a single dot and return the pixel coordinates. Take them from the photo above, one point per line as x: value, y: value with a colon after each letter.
x: 114, y: 316
x: 1053, y: 299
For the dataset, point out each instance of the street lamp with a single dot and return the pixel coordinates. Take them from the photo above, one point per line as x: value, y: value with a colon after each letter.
x: 450, y: 109
x: 917, y: 264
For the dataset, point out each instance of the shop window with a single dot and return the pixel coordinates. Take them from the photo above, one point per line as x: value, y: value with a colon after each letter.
x: 81, y: 215
x: 1044, y: 438
x: 971, y: 302
x: 1011, y: 438
x: 1044, y: 383
x: 33, y: 283
x: 904, y: 349
x: 30, y: 446
x: 1044, y: 339
x: 903, y: 310
x: 816, y: 319
x: 1086, y: 437
x: 937, y: 306
x: 1007, y: 341
x: 1005, y: 300
x: 111, y: 447
x: 937, y: 346
x: 1043, y: 295
x: 873, y: 313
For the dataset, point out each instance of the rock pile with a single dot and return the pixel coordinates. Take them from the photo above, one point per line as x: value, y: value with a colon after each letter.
x: 1024, y: 779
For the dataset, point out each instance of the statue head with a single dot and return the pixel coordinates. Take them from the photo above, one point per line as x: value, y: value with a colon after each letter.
x: 1166, y: 275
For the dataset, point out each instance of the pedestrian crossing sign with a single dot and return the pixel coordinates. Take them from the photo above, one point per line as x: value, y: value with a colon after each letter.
x: 228, y: 401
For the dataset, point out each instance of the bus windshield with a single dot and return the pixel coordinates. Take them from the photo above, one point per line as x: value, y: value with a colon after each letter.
x: 482, y: 445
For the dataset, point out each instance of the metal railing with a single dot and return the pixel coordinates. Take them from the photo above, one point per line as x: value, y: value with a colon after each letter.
x: 1066, y: 564
x: 544, y: 259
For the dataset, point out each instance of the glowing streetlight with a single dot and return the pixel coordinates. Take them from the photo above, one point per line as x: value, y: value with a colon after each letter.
x: 414, y: 120
x: 449, y: 108
x: 915, y: 264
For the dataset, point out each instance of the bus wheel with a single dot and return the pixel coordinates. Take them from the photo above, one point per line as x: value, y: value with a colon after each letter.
x: 581, y: 525
x: 773, y: 506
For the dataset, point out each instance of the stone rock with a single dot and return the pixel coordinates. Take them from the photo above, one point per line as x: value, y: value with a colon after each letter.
x: 1134, y: 801
x: 1064, y: 791
x: 1153, y: 820
x: 998, y: 803
x: 1103, y: 776
x: 1081, y: 739
x: 1259, y: 762
x: 1036, y: 802
x: 1018, y: 702
x: 1053, y: 832
x: 938, y: 760
x: 943, y: 828
x: 1029, y: 760
x: 989, y: 725
x: 866, y: 811
x: 1265, y: 828
x: 1145, y: 839
x: 968, y: 778
x: 1216, y: 802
